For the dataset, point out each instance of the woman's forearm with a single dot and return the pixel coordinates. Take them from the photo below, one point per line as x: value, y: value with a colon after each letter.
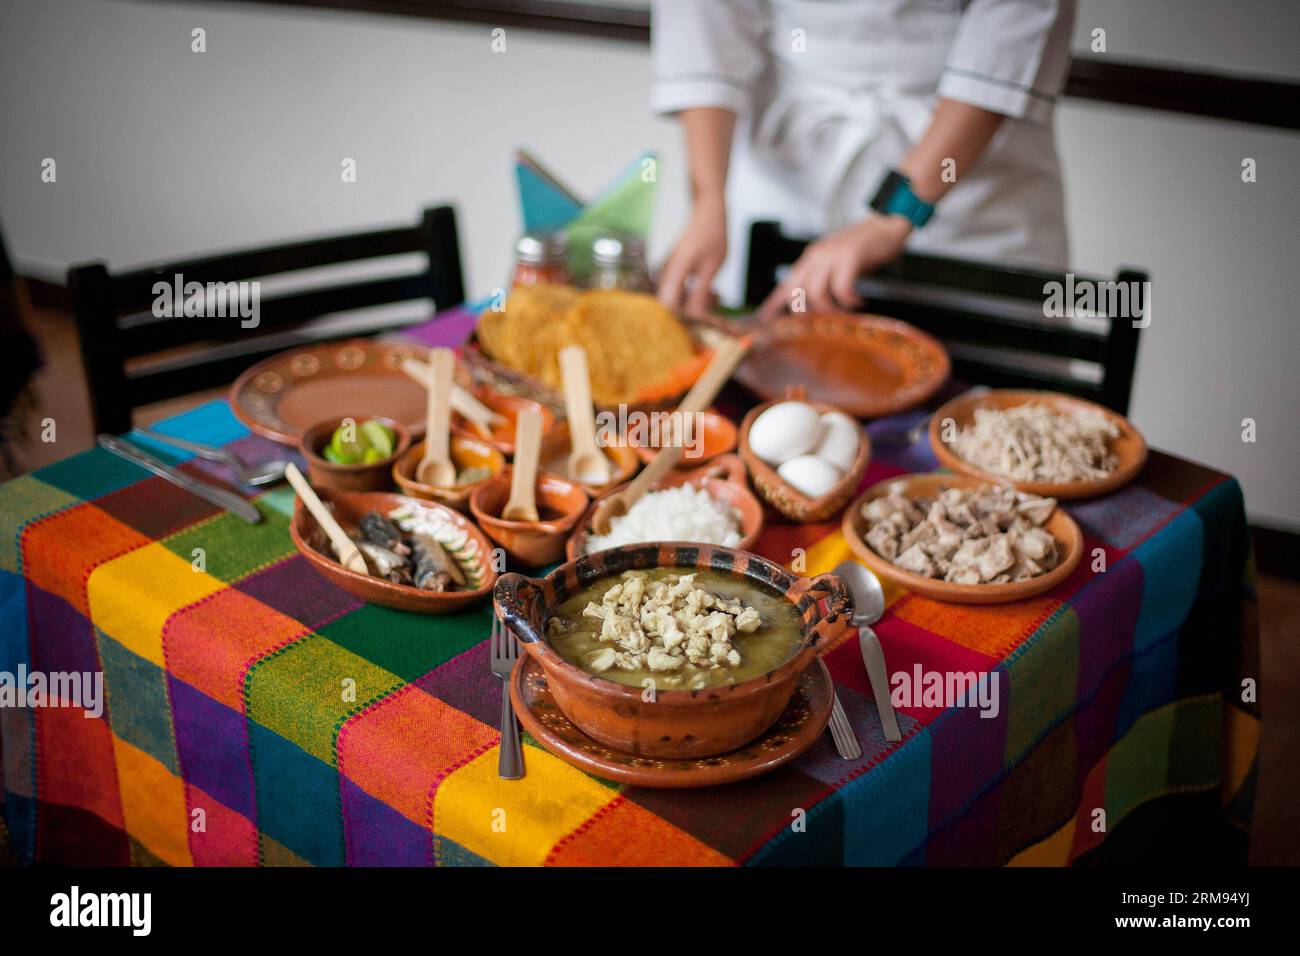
x: 708, y: 150
x: 956, y: 138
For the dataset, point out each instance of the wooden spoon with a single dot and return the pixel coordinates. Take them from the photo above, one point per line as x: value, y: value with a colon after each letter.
x: 522, y: 504
x: 587, y: 463
x: 435, y: 467
x: 349, y: 554
x: 463, y: 402
x: 702, y: 393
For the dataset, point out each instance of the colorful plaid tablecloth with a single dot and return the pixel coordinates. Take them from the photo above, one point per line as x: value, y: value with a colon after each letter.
x: 254, y: 714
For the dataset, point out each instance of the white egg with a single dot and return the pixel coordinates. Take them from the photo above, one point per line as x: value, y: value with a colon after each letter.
x: 784, y: 431
x: 839, y: 441
x: 810, y: 475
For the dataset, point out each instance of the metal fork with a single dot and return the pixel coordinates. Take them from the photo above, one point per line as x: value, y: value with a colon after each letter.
x: 846, y: 742
x: 505, y: 651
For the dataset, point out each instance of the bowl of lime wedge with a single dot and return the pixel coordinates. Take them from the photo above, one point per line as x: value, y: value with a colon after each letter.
x: 354, y: 452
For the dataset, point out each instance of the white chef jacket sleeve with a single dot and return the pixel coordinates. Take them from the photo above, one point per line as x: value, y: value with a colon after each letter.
x: 706, y: 53
x: 1010, y: 56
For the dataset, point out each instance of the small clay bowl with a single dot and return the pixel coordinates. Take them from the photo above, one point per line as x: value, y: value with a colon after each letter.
x: 623, y: 461
x: 375, y: 476
x: 719, y: 437
x: 724, y: 480
x: 502, y: 437
x: 465, y: 453
x: 778, y: 493
x: 468, y: 546
x: 674, y: 723
x: 533, y: 543
x: 1069, y: 543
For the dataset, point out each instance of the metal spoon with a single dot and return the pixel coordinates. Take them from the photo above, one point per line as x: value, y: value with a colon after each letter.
x: 265, y: 473
x: 868, y: 608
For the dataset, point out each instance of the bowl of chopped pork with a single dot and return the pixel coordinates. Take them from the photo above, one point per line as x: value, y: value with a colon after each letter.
x: 959, y: 539
x: 1044, y: 443
x: 674, y: 650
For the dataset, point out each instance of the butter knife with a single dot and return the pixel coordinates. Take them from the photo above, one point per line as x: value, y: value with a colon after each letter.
x: 874, y: 659
x: 230, y: 501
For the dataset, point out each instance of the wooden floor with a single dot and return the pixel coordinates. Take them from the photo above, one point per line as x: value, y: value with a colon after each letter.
x: 1276, y: 833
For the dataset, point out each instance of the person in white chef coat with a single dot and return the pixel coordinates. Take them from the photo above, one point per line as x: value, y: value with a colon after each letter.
x: 876, y: 125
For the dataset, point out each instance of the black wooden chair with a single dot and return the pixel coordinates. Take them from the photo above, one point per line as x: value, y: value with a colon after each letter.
x: 989, y: 317
x: 117, y: 322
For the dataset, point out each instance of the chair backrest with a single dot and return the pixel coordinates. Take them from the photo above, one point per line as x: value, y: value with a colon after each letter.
x: 991, y: 318
x: 119, y: 317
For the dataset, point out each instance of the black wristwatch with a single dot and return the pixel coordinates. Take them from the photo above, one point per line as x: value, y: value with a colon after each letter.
x: 895, y: 198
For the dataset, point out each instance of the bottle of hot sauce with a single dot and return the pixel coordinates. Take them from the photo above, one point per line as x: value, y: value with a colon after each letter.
x: 542, y: 258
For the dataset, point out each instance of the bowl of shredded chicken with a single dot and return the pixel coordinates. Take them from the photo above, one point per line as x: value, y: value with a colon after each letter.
x: 1045, y: 443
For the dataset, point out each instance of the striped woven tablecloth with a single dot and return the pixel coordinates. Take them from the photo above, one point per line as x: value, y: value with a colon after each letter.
x: 228, y: 734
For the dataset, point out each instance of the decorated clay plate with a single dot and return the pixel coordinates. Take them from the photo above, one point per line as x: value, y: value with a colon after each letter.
x: 284, y: 395
x: 1069, y: 544
x: 868, y: 365
x: 1130, y: 448
x: 794, y: 731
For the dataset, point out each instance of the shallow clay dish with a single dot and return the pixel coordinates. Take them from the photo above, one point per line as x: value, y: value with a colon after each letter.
x: 533, y: 543
x: 1069, y: 543
x: 465, y: 453
x: 676, y: 724
x: 1130, y: 447
x: 502, y: 436
x: 623, y: 460
x: 867, y: 365
x: 724, y: 480
x: 282, y: 396
x: 376, y: 476
x: 800, y: 724
x: 779, y: 493
x: 719, y: 437
x: 466, y: 544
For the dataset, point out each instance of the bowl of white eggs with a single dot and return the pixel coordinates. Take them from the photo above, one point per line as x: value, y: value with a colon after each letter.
x: 805, y: 458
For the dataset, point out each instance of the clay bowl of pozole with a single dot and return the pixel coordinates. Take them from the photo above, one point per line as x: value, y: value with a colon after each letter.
x: 678, y: 696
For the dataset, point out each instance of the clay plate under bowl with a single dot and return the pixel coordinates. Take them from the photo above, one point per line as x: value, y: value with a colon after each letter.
x: 719, y: 437
x: 724, y: 480
x: 676, y: 724
x: 502, y: 437
x: 281, y: 396
x: 375, y: 476
x: 798, y: 727
x: 465, y: 453
x: 623, y: 461
x: 867, y: 365
x: 783, y: 496
x: 533, y: 543
x: 1069, y: 544
x: 467, y: 544
x: 1130, y: 447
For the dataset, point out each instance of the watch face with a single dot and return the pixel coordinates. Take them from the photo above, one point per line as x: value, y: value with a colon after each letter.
x: 893, y: 179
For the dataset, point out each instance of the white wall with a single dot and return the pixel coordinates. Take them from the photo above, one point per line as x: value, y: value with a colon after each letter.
x: 163, y: 152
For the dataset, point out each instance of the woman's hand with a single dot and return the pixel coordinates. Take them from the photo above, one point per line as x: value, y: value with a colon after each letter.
x: 684, y: 280
x: 823, y: 278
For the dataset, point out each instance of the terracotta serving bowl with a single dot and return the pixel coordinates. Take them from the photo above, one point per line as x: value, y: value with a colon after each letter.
x: 786, y: 499
x: 623, y: 461
x: 375, y: 476
x: 724, y: 480
x: 1130, y: 448
x: 1069, y: 544
x: 466, y: 543
x: 533, y: 543
x: 676, y: 723
x: 465, y: 453
x: 719, y: 437
x: 502, y: 437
